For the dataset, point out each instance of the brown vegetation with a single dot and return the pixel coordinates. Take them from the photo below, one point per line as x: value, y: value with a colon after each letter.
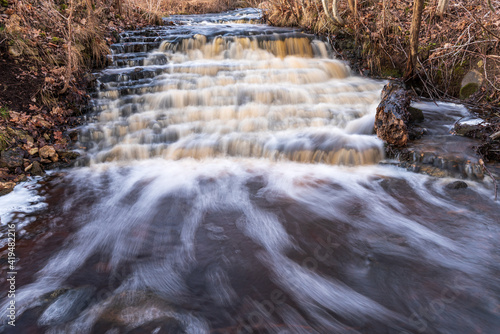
x: 46, y: 51
x: 203, y: 6
x: 377, y: 32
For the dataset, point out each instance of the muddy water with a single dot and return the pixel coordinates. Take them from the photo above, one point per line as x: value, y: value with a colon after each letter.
x: 233, y: 185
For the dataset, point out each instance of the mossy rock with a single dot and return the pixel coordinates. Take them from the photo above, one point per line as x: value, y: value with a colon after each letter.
x: 470, y: 84
x: 469, y: 89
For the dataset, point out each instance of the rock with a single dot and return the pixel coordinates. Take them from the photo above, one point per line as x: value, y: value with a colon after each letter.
x: 471, y: 83
x: 12, y: 158
x: 471, y: 129
x: 36, y: 169
x: 6, y: 187
x: 69, y: 155
x: 67, y: 306
x: 33, y: 151
x: 48, y: 152
x: 392, y: 117
x: 416, y: 115
x: 457, y: 185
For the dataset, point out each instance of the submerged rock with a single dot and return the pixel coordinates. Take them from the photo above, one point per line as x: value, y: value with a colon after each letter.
x: 392, y: 117
x: 457, y: 185
x: 67, y: 306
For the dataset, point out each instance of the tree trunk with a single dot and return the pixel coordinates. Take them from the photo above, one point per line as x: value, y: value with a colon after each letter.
x: 491, y: 6
x: 442, y: 7
x: 418, y: 6
x: 351, y: 5
x: 384, y: 17
x: 69, y: 56
x: 334, y: 15
x: 118, y: 6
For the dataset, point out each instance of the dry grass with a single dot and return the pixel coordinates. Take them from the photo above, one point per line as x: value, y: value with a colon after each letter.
x: 466, y: 38
x: 64, y: 39
x: 205, y: 6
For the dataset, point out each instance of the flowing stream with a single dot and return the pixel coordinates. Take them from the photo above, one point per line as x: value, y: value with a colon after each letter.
x: 232, y: 184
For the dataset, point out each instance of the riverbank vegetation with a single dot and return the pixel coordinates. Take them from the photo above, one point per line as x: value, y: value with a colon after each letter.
x: 47, y: 51
x: 456, y: 37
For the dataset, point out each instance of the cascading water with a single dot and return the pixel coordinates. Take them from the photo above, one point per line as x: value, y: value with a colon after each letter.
x: 232, y: 186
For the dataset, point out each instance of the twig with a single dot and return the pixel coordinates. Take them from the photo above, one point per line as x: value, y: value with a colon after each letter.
x: 486, y: 76
x: 481, y: 162
x: 479, y: 22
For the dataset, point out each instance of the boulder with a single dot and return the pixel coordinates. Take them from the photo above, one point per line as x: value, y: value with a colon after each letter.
x: 12, y: 158
x: 457, y: 185
x: 36, y: 169
x: 392, y: 117
x: 48, y: 152
x: 470, y: 84
x: 416, y: 115
x: 6, y: 187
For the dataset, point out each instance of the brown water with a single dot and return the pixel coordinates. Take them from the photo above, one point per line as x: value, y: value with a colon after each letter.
x: 232, y: 185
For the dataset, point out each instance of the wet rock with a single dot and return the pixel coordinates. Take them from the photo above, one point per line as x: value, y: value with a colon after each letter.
x: 6, y: 187
x: 12, y: 158
x: 48, y: 152
x: 456, y: 185
x: 36, y: 169
x: 416, y: 115
x: 470, y: 84
x: 139, y: 312
x: 68, y: 155
x: 392, y: 117
x: 470, y: 130
x: 67, y: 306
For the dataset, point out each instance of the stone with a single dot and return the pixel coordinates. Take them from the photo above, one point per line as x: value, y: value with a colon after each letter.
x: 33, y: 151
x: 471, y: 83
x: 36, y: 169
x: 67, y: 306
x: 457, y: 185
x: 12, y: 158
x: 392, y: 117
x: 69, y: 155
x: 6, y: 187
x: 471, y: 130
x: 47, y: 152
x: 416, y: 115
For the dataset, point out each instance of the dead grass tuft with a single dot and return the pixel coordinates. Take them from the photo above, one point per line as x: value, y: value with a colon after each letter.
x: 466, y: 38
